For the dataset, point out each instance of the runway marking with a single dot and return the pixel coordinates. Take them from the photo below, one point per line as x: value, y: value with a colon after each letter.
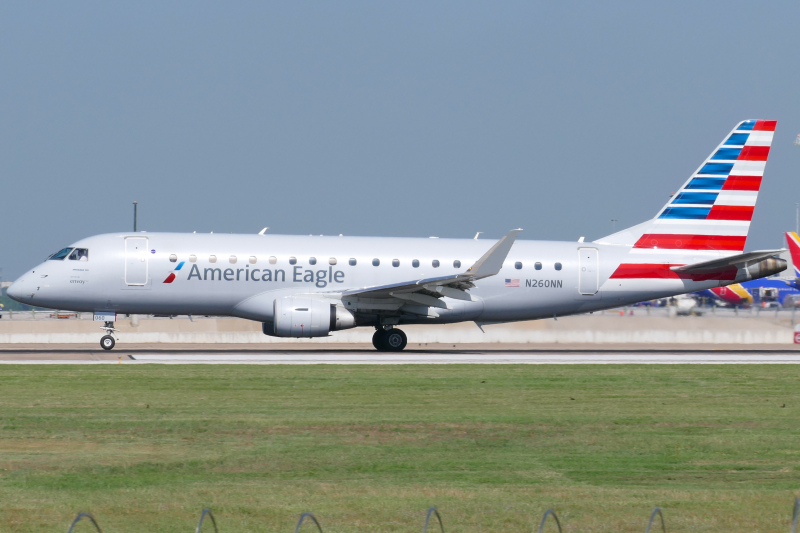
x: 371, y: 358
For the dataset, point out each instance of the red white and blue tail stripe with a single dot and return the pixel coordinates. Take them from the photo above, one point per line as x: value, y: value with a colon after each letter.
x: 709, y: 215
x: 713, y: 209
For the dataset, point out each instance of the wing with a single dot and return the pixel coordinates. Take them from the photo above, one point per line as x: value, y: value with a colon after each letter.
x: 427, y: 292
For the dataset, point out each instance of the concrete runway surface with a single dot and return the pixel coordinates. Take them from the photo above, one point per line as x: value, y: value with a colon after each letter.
x: 430, y: 354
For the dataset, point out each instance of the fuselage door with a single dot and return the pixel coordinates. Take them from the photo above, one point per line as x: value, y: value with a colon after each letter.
x: 588, y: 275
x: 136, y: 260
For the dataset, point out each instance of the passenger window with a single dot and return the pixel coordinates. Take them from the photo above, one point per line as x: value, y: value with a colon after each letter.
x: 173, y: 258
x: 253, y: 260
x: 79, y: 254
x: 415, y: 263
x: 395, y: 262
x: 518, y: 265
x: 312, y: 260
x: 558, y: 266
x: 376, y: 262
x: 332, y: 261
x: 435, y: 263
x: 59, y: 256
x: 292, y: 260
x: 273, y: 260
x: 352, y: 261
x: 456, y: 264
x: 232, y: 259
x: 192, y: 258
x: 212, y: 259
x: 537, y: 266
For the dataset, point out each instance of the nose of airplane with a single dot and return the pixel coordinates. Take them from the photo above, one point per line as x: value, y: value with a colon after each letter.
x: 15, y: 291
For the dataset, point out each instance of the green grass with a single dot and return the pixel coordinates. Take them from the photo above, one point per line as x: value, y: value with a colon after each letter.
x: 369, y: 448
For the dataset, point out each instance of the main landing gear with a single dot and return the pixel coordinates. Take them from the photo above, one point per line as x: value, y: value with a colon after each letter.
x: 389, y: 340
x: 107, y: 342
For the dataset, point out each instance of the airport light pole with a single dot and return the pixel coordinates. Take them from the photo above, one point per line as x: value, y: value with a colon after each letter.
x: 614, y: 225
x: 135, y: 206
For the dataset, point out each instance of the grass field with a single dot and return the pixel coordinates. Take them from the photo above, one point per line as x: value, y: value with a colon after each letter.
x: 146, y: 447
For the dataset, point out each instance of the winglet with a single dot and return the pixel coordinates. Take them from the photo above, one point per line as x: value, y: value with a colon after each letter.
x: 492, y: 261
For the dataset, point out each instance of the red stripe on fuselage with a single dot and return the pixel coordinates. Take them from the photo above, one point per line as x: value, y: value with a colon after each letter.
x: 661, y: 271
x: 170, y: 278
x: 731, y: 212
x: 691, y: 242
x: 742, y: 183
x: 754, y: 153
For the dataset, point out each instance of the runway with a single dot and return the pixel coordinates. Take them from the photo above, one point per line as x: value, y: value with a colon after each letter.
x: 363, y: 355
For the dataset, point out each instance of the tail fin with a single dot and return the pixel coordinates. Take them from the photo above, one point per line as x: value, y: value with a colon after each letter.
x: 713, y: 209
x: 733, y: 294
x: 794, y: 248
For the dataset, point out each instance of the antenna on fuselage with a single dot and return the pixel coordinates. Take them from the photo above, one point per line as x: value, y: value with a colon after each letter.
x: 263, y: 231
x: 477, y: 235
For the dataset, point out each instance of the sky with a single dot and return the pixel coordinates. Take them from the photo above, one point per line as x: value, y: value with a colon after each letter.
x: 381, y: 118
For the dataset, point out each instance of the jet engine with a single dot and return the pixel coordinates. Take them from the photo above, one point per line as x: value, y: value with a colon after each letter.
x: 299, y: 316
x: 767, y: 267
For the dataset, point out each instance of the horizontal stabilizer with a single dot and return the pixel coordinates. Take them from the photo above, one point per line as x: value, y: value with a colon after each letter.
x: 738, y: 261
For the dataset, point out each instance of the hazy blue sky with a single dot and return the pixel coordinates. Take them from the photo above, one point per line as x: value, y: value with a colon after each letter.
x: 378, y: 118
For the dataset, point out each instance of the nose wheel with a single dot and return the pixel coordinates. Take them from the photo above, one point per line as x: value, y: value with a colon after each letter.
x: 107, y: 342
x: 389, y: 340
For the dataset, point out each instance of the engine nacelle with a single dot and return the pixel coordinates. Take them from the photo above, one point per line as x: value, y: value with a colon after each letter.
x: 767, y: 267
x: 764, y: 268
x: 299, y: 316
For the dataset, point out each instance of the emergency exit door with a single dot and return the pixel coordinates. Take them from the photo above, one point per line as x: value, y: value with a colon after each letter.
x: 588, y: 271
x: 136, y: 260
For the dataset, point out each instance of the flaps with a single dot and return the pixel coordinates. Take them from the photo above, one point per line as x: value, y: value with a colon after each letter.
x: 385, y: 291
x: 738, y: 261
x: 418, y: 298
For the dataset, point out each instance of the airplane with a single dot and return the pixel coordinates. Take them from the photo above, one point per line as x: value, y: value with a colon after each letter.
x: 734, y: 294
x: 304, y: 287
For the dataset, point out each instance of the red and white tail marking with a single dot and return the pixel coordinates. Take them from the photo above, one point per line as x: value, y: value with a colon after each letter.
x: 710, y: 214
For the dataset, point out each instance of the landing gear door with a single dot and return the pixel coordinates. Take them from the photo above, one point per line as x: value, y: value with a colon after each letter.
x: 589, y: 272
x: 136, y: 261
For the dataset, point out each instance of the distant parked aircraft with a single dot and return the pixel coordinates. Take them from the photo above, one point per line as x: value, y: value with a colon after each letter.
x: 310, y: 286
x: 793, y: 241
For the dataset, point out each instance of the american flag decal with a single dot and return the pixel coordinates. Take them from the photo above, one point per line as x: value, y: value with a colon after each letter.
x: 512, y: 282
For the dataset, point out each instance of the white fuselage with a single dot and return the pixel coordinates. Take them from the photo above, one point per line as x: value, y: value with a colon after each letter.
x: 241, y: 275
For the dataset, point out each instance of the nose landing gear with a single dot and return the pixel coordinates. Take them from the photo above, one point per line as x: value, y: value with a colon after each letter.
x: 107, y: 342
x: 389, y: 340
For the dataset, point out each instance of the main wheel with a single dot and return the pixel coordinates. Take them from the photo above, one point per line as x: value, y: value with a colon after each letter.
x: 379, y: 340
x: 395, y: 340
x: 107, y: 342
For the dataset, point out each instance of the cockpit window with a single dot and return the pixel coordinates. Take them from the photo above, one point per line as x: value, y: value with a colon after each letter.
x: 79, y: 254
x: 59, y: 256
